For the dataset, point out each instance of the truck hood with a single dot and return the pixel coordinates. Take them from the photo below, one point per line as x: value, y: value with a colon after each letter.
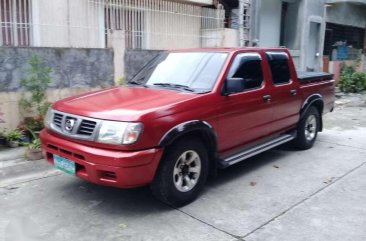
x: 124, y: 103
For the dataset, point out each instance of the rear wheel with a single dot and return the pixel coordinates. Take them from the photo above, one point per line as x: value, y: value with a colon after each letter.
x: 182, y: 173
x: 307, y: 129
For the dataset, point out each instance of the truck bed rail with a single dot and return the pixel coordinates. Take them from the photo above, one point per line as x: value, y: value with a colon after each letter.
x: 308, y: 77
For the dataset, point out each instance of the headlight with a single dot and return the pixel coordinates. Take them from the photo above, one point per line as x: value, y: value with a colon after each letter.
x: 47, y: 119
x: 115, y: 132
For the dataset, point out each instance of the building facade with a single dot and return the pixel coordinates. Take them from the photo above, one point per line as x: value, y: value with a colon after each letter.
x: 296, y: 24
x: 345, y: 35
x: 145, y: 24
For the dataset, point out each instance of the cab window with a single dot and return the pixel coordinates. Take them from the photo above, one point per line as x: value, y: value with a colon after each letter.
x: 247, y: 66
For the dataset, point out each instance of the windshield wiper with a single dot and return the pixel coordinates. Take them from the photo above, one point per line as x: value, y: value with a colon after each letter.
x: 136, y: 82
x: 175, y: 86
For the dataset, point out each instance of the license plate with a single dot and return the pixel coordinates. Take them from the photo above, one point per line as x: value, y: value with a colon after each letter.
x: 64, y: 164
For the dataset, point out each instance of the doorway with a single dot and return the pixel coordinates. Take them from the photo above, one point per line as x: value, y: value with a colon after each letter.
x: 313, y: 54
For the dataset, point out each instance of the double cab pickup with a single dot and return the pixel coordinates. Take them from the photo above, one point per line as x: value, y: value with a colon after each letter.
x: 183, y: 116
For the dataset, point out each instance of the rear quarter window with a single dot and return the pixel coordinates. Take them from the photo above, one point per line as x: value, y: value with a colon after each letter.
x: 279, y: 65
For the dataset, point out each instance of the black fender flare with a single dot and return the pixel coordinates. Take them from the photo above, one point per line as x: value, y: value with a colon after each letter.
x: 313, y: 100
x: 195, y: 127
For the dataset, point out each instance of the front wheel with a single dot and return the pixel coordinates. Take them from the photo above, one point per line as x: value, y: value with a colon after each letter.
x: 182, y: 173
x: 307, y: 129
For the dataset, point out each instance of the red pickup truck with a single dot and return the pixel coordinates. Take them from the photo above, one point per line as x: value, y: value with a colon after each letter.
x: 183, y: 116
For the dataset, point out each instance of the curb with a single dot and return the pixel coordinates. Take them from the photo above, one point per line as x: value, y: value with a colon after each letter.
x: 21, y: 170
x: 11, y: 154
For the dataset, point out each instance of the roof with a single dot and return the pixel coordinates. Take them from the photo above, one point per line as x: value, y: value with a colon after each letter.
x: 226, y: 49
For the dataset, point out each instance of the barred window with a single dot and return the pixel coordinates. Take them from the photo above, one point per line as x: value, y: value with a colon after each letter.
x: 15, y: 22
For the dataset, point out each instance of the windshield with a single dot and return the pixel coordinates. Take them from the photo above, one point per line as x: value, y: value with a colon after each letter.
x: 192, y: 71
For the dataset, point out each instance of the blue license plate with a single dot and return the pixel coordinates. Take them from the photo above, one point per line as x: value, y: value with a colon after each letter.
x: 64, y: 164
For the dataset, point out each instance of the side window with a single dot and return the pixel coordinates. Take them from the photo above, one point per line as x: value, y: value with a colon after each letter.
x: 249, y: 67
x: 278, y: 62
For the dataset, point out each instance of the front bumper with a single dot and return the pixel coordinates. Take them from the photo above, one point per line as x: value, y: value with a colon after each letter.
x: 105, y: 167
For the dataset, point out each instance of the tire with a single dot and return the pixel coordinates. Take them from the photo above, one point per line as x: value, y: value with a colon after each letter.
x: 307, y: 129
x: 182, y: 173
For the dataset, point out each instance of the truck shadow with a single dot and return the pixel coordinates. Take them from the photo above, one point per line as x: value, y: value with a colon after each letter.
x: 250, y: 165
x: 139, y: 201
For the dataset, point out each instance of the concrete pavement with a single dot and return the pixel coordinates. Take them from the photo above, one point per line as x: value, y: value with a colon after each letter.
x: 281, y: 194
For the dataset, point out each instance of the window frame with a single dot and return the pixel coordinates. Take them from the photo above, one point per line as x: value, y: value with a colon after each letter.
x: 270, y: 69
x: 16, y: 23
x: 260, y: 58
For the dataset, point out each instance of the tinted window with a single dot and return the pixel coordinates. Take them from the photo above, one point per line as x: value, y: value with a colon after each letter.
x: 249, y: 67
x: 278, y: 62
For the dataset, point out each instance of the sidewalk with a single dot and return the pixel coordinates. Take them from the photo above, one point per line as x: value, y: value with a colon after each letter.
x: 14, y: 168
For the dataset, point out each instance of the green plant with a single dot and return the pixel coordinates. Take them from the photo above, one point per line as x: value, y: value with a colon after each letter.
x: 39, y: 76
x: 31, y: 124
x: 13, y: 135
x: 350, y: 80
x: 121, y: 81
x: 34, y: 145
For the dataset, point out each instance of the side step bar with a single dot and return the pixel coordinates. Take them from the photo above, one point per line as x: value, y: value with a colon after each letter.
x: 247, y: 153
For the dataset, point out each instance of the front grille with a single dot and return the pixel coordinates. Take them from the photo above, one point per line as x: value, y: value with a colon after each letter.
x: 74, y: 126
x: 57, y: 119
x: 87, y: 127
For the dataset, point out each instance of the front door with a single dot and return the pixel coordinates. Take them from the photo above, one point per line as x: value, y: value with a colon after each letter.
x: 245, y: 116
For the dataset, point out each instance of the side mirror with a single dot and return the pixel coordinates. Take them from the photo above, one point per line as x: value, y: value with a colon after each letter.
x: 234, y: 85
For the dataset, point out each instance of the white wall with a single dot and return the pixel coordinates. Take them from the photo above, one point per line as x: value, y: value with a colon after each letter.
x: 270, y: 23
x: 67, y: 23
x: 171, y: 31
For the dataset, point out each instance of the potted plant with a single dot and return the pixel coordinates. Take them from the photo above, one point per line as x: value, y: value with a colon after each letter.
x: 2, y: 138
x: 13, y: 137
x: 34, y: 151
x: 34, y: 104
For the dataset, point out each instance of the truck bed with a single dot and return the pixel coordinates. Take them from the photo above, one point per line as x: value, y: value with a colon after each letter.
x: 309, y: 77
x: 320, y: 83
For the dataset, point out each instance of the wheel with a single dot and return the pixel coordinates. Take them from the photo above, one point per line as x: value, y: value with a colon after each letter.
x: 307, y: 129
x: 182, y: 173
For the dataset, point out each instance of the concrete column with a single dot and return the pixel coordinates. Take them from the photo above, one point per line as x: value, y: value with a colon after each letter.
x: 119, y: 46
x: 255, y: 21
x: 241, y: 23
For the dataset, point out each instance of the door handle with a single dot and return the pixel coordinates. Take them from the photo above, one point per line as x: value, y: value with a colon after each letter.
x: 267, y: 98
x: 293, y: 92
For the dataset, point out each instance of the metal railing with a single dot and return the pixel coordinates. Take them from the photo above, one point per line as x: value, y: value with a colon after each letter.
x: 135, y: 24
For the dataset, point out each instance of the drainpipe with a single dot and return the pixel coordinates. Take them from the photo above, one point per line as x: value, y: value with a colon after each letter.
x: 241, y: 23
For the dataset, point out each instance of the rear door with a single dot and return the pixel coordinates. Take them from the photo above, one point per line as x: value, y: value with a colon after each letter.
x: 245, y: 116
x: 285, y: 99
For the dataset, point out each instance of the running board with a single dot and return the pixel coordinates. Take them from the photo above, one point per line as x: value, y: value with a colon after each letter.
x: 247, y: 153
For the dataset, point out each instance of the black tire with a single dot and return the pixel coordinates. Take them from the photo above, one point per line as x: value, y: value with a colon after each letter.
x: 306, y: 131
x: 165, y: 186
